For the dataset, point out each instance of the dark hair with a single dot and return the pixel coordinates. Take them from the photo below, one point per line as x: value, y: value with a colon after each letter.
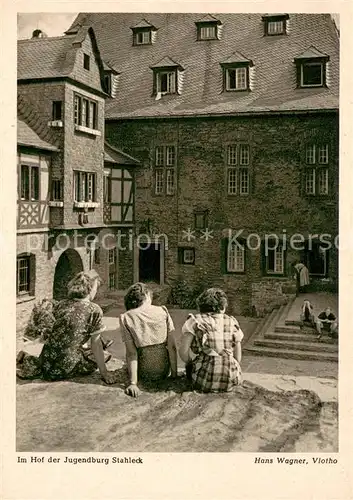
x: 80, y: 286
x: 213, y: 300
x: 136, y: 295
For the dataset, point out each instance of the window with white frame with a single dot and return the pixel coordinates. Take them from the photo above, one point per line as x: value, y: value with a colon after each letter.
x: 85, y: 112
x: 165, y: 170
x: 143, y: 37
x: 29, y: 182
x: 84, y: 186
x: 236, y: 78
x: 275, y: 24
x: 238, y: 161
x: 316, y: 177
x: 166, y: 82
x: 187, y: 256
x: 235, y: 257
x: 111, y: 255
x: 208, y: 32
x: 274, y: 259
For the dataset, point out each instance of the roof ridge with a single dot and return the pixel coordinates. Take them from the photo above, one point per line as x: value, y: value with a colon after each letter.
x: 27, y: 111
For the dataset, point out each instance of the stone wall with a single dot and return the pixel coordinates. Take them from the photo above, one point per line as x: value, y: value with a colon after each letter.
x: 276, y: 203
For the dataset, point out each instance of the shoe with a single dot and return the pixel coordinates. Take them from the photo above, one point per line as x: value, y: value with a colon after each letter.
x: 319, y: 337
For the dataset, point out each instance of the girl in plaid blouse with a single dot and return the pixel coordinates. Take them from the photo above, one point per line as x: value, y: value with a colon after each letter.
x: 211, y: 344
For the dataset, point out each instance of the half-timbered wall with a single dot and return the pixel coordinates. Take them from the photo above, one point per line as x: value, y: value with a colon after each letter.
x: 33, y: 191
x: 120, y: 207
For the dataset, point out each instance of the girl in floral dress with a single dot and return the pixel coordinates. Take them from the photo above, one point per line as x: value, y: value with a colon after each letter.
x: 77, y: 321
x: 211, y: 344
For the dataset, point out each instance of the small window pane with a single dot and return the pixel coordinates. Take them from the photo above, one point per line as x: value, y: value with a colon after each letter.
x: 77, y: 114
x: 235, y: 258
x: 159, y: 156
x: 275, y: 27
x: 57, y: 110
x: 244, y: 154
x: 244, y: 181
x: 241, y: 78
x: 24, y: 182
x: 188, y: 256
x: 111, y: 283
x: 232, y: 155
x: 279, y: 259
x: 310, y: 155
x: 170, y: 181
x: 23, y: 275
x: 231, y: 79
x: 207, y: 32
x: 56, y: 188
x: 111, y: 255
x: 310, y: 181
x: 323, y: 181
x: 312, y: 74
x: 170, y: 151
x: 200, y: 220
x: 159, y: 181
x: 86, y: 61
x: 323, y: 154
x: 232, y: 181
x: 34, y: 183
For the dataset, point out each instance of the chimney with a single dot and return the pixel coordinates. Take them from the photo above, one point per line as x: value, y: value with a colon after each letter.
x: 39, y: 34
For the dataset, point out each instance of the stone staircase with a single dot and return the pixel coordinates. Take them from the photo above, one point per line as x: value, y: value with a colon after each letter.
x: 281, y: 336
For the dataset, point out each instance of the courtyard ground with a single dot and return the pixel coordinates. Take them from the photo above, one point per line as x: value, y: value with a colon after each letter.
x: 283, y: 406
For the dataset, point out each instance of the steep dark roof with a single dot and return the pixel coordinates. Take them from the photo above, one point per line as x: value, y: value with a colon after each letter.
x: 114, y: 155
x: 31, y: 130
x: 273, y: 75
x: 53, y: 57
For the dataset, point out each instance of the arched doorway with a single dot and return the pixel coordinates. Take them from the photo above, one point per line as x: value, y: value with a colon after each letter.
x: 68, y: 265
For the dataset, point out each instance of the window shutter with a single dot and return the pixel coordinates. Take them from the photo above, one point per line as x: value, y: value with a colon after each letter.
x: 298, y: 70
x: 32, y: 274
x: 224, y: 247
x: 180, y: 255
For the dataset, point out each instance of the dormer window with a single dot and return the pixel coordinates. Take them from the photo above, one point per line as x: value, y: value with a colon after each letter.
x: 275, y: 24
x: 110, y: 79
x: 208, y: 28
x: 311, y: 68
x: 166, y: 77
x: 236, y: 73
x: 143, y: 33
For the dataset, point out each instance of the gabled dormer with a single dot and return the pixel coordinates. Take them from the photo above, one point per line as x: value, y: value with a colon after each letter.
x: 236, y: 73
x: 311, y: 68
x: 208, y: 28
x: 275, y: 24
x: 143, y: 33
x: 111, y: 78
x: 167, y: 77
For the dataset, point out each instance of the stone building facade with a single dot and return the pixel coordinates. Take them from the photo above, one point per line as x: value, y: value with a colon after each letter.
x: 65, y: 169
x: 236, y: 129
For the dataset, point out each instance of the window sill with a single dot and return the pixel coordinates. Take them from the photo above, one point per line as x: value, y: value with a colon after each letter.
x: 24, y: 298
x: 56, y: 123
x: 57, y: 204
x: 86, y: 204
x: 87, y: 130
x: 237, y: 90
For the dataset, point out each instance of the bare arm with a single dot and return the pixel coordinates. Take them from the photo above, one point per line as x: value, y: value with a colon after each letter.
x: 185, y: 347
x: 98, y: 353
x: 173, y: 357
x: 237, y: 351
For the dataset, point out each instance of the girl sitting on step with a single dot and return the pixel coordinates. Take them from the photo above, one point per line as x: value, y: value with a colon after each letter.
x: 151, y: 352
x: 211, y: 344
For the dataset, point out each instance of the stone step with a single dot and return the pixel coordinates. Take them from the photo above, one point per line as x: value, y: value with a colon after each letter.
x: 282, y: 328
x: 303, y: 337
x: 297, y: 345
x: 291, y: 354
x: 293, y: 322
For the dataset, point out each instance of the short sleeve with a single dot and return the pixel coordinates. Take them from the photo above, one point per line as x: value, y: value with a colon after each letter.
x: 237, y: 331
x: 189, y: 325
x: 95, y: 322
x: 170, y: 324
x: 125, y: 334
